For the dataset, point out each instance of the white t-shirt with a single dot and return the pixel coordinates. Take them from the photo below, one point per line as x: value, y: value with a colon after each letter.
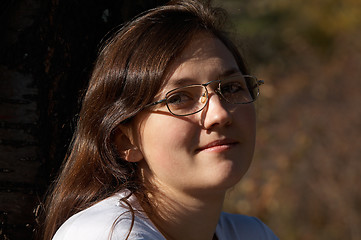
x: 110, y: 219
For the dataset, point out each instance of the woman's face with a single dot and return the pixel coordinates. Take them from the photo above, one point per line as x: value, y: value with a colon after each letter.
x: 207, y: 151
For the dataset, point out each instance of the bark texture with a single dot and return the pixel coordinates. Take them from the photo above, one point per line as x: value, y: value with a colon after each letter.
x: 47, y: 48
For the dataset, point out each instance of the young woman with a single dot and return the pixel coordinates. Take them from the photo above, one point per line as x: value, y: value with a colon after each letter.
x: 166, y: 127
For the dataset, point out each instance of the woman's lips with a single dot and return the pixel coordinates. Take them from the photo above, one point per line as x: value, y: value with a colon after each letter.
x: 218, y: 145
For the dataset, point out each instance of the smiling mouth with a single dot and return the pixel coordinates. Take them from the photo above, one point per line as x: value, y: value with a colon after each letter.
x: 218, y: 146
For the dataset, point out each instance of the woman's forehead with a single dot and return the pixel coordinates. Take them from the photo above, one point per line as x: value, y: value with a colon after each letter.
x: 204, y: 55
x: 200, y: 46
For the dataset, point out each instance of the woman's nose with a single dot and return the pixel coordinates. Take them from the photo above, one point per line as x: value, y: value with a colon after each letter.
x: 216, y: 112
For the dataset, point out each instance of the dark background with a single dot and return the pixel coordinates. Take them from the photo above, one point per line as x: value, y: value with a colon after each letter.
x: 47, y: 51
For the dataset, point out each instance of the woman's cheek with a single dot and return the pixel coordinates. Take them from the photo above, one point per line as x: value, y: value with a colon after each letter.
x: 169, y: 142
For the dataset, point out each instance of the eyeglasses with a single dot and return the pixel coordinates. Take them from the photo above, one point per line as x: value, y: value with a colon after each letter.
x: 190, y: 99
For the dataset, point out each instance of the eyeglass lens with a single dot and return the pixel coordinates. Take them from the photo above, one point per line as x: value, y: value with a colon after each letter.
x: 193, y: 98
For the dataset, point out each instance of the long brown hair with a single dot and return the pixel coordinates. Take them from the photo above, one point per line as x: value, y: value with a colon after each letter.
x: 129, y: 72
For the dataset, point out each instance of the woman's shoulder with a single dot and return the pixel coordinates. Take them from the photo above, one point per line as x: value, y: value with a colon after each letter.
x: 94, y: 222
x: 236, y: 226
x: 107, y: 219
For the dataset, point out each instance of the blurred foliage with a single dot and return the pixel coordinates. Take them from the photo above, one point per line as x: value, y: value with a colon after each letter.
x: 304, y: 182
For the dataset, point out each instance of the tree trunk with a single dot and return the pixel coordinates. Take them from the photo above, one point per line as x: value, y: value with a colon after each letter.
x: 47, y: 49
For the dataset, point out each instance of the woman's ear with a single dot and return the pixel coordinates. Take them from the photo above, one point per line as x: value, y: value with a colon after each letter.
x: 133, y: 155
x: 125, y: 146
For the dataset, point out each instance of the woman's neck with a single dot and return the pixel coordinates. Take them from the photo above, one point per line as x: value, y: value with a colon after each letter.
x: 180, y: 216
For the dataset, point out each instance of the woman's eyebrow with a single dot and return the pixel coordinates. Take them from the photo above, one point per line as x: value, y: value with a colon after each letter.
x: 181, y: 82
x: 176, y: 83
x: 229, y: 72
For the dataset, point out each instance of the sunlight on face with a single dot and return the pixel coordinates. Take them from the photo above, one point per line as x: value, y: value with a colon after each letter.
x: 205, y: 152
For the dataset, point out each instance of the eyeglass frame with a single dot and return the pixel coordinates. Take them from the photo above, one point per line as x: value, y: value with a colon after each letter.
x: 217, y: 91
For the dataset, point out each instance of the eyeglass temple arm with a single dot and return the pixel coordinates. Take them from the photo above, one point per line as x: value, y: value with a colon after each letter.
x: 259, y: 82
x: 148, y: 105
x: 154, y: 103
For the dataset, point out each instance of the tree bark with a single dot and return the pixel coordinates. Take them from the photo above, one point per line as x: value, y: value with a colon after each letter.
x: 47, y: 50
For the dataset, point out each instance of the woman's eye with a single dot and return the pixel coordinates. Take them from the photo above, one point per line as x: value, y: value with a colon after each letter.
x: 179, y: 99
x: 231, y: 87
